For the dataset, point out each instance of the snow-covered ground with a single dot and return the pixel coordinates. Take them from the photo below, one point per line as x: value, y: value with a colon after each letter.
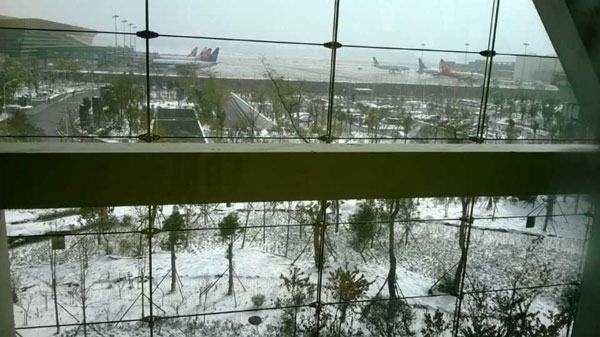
x: 499, y: 248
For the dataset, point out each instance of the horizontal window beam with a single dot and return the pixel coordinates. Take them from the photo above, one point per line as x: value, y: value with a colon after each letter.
x: 46, y: 175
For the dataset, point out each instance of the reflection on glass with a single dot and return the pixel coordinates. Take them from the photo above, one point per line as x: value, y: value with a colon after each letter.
x: 240, y: 92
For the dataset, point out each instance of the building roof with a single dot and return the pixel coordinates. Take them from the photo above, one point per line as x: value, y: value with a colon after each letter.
x: 35, y: 36
x: 32, y: 23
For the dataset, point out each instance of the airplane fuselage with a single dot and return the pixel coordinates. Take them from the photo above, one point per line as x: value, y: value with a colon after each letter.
x: 463, y: 76
x: 184, y: 62
x: 391, y: 68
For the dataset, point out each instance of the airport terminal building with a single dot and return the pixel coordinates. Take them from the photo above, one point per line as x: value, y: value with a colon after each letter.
x: 47, y: 41
x: 27, y: 44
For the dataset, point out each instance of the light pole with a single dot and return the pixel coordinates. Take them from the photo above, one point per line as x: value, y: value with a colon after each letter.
x: 524, y: 62
x: 466, y: 51
x: 4, y: 94
x: 130, y: 41
x: 422, y: 47
x: 115, y: 17
x: 134, y: 39
x: 124, y: 22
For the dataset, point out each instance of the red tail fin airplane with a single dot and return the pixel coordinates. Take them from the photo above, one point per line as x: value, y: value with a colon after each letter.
x: 459, y: 75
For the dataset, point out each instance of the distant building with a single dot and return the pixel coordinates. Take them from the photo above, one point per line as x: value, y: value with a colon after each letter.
x: 31, y: 45
x: 362, y: 94
x: 28, y: 43
x: 533, y: 69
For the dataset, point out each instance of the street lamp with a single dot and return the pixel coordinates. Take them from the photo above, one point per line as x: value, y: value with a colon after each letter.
x: 134, y: 39
x: 422, y: 47
x: 524, y: 62
x: 115, y: 17
x: 466, y: 51
x: 130, y: 42
x: 4, y: 94
x: 124, y: 22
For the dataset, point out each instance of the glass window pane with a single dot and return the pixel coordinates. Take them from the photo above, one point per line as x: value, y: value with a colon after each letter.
x: 508, y: 311
x: 520, y: 30
x: 81, y: 14
x: 259, y: 262
x: 542, y: 247
x: 531, y: 101
x: 74, y: 265
x: 416, y: 24
x: 238, y: 91
x: 406, y: 96
x: 64, y: 84
x: 302, y: 21
x: 211, y: 258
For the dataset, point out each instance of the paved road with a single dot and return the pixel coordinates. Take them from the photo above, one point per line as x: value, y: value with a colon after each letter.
x: 240, y: 114
x: 48, y: 116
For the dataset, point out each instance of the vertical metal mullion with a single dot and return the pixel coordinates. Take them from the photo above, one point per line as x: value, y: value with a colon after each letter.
x: 151, y: 219
x: 7, y: 320
x: 495, y: 4
x: 489, y: 75
x: 334, y: 46
x: 321, y: 262
x: 461, y: 293
x: 149, y: 129
x: 150, y: 210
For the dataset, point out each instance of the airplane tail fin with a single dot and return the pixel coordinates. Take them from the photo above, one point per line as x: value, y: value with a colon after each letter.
x: 375, y: 62
x: 214, y: 55
x: 422, y: 66
x: 205, y: 54
x: 193, y: 52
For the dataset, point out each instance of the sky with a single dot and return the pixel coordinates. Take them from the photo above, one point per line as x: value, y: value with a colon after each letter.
x: 436, y: 24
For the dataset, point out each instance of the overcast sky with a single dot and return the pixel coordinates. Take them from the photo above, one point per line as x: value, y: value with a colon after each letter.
x: 439, y: 24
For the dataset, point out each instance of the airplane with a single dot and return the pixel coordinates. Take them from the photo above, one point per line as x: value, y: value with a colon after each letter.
x: 390, y: 67
x: 192, y: 54
x: 207, y: 58
x: 203, y: 56
x: 459, y: 75
x: 424, y: 70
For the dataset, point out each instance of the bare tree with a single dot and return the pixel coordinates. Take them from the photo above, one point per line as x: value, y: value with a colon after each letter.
x: 288, y: 98
x: 82, y: 296
x: 25, y: 304
x: 462, y: 242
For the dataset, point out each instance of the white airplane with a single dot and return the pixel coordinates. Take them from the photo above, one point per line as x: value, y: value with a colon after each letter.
x: 192, y: 54
x: 424, y: 70
x: 207, y: 58
x: 390, y: 67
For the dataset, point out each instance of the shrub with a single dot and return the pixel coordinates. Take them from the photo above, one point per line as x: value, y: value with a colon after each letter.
x: 258, y: 300
x: 446, y: 284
